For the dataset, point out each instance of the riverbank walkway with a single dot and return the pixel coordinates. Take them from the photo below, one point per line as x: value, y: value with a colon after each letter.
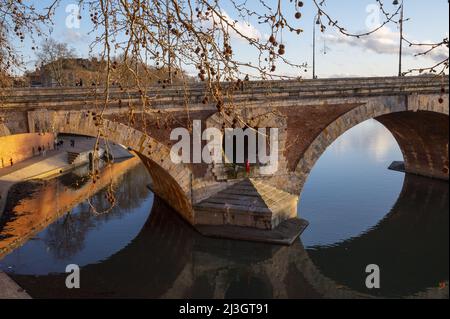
x: 36, y: 167
x: 52, y: 163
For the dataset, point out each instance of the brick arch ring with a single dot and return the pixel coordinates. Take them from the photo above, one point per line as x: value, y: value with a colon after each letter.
x: 170, y: 181
x: 419, y: 125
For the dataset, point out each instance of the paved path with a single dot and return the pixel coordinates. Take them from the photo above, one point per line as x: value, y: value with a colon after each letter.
x: 53, y: 163
x: 32, y: 168
x: 10, y: 290
x: 30, y: 161
x: 84, y: 144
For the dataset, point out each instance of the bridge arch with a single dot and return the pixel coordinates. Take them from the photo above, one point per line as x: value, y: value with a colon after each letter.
x: 246, y: 118
x: 170, y: 181
x: 420, y: 127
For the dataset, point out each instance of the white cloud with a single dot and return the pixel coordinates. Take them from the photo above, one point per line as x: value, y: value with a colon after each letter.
x: 248, y: 30
x: 72, y: 36
x: 380, y: 143
x: 386, y: 41
x: 237, y: 29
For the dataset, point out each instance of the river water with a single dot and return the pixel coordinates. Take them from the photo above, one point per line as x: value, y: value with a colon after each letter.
x: 360, y: 213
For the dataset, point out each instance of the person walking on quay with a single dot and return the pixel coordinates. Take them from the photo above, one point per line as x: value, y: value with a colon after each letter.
x: 11, y: 161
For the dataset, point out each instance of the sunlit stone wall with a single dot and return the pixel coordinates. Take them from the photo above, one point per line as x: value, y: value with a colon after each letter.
x: 17, y: 148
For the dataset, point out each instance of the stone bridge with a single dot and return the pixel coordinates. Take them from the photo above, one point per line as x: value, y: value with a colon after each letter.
x: 225, y: 200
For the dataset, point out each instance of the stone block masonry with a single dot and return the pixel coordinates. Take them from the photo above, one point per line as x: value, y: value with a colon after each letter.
x: 309, y: 115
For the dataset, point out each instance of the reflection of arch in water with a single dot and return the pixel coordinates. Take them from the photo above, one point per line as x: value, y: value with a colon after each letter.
x: 68, y: 235
x: 291, y: 271
x: 50, y: 202
x: 416, y: 225
x: 245, y: 285
x: 144, y: 269
x: 170, y: 260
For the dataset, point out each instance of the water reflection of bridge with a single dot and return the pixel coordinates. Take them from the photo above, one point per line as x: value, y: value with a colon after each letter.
x: 417, y: 225
x: 52, y: 199
x: 168, y: 259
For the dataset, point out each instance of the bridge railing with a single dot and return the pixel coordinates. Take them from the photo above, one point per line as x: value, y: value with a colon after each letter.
x: 248, y: 91
x: 248, y: 84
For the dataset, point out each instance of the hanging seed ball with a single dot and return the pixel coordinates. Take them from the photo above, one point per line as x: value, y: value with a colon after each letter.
x: 281, y: 51
x: 300, y: 4
x: 298, y: 15
x: 272, y: 39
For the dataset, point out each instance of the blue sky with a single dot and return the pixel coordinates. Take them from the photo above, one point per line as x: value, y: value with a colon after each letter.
x: 374, y: 56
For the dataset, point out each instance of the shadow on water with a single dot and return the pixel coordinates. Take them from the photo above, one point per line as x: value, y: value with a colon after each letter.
x: 410, y: 245
x: 168, y: 259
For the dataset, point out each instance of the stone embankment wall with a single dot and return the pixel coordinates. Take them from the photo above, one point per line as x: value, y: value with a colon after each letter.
x: 19, y: 147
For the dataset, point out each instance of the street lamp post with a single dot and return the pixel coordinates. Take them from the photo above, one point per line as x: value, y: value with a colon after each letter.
x: 316, y: 22
x: 396, y: 3
x: 169, y: 57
